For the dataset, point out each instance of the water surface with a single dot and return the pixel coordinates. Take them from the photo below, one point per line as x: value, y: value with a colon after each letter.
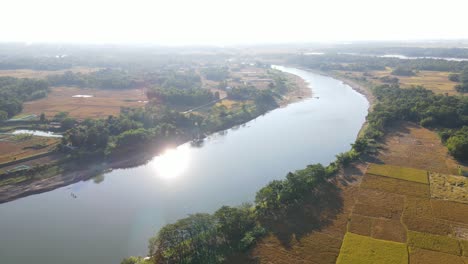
x: 36, y: 133
x: 111, y: 217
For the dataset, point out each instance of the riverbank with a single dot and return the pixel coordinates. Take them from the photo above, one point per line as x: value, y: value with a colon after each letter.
x: 299, y: 92
x: 69, y: 173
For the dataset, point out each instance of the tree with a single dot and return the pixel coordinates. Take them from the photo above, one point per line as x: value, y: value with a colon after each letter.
x: 42, y: 117
x: 3, y: 115
x: 66, y: 123
x: 234, y: 222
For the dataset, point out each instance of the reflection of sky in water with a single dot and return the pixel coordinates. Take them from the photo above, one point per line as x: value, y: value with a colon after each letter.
x: 115, y: 218
x: 172, y: 163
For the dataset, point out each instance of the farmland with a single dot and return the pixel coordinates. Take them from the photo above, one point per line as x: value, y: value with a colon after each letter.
x: 436, y: 81
x: 101, y: 105
x: 37, y: 74
x: 16, y: 147
x: 361, y: 250
x: 395, y: 212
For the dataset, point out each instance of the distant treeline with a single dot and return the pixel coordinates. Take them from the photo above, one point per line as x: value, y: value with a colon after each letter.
x: 14, y: 91
x: 111, y: 78
x: 348, y: 62
x: 407, y: 51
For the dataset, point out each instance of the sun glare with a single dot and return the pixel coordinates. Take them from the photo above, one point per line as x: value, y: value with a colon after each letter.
x: 172, y: 163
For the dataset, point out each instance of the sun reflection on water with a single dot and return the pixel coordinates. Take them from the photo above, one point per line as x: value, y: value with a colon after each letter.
x: 172, y: 163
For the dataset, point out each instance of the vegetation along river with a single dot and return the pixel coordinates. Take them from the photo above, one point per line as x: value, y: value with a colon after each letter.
x: 111, y: 217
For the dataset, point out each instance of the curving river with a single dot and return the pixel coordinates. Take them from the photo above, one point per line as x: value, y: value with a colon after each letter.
x: 111, y: 217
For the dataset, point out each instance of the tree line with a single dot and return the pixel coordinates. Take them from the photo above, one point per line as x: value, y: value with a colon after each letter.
x: 15, y: 91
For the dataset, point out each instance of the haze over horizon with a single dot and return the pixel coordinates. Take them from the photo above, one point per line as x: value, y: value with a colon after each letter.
x: 218, y: 22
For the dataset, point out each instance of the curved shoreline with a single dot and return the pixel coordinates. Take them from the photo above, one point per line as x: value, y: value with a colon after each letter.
x: 12, y: 192
x: 16, y: 191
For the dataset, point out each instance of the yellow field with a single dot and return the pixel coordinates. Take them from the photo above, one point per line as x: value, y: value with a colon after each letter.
x: 362, y: 250
x: 397, y: 172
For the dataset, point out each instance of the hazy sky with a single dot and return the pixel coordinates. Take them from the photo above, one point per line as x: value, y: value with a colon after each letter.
x: 230, y: 22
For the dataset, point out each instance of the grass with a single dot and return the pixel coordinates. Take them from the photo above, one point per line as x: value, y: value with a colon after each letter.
x: 357, y: 249
x: 314, y: 248
x: 103, y: 104
x: 417, y: 216
x: 422, y: 256
x: 360, y: 225
x: 392, y: 185
x: 410, y: 145
x: 449, y: 187
x: 451, y: 211
x: 397, y: 172
x: 379, y: 204
x: 21, y: 146
x: 438, y: 243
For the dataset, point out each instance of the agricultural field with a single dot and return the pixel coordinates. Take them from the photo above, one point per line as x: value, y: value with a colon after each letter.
x: 20, y: 146
x: 362, y: 249
x: 449, y: 187
x: 102, y: 103
x: 392, y: 213
x: 436, y: 81
x: 317, y: 246
x: 401, y: 173
x: 36, y: 74
x: 410, y: 145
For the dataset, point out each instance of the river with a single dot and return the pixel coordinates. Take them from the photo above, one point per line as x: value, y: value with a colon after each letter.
x: 111, y: 217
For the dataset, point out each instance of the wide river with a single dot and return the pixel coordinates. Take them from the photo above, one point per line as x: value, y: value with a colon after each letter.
x: 106, y: 219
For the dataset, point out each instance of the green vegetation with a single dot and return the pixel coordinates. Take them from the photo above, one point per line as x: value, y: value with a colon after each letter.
x: 463, y: 79
x: 14, y: 91
x: 401, y: 71
x: 205, y: 238
x: 434, y: 242
x: 346, y: 62
x: 397, y: 172
x: 103, y: 79
x: 448, y: 114
x: 216, y: 73
x: 181, y: 97
x: 362, y: 250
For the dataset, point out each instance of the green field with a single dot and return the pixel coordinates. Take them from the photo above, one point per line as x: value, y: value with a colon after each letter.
x: 357, y: 249
x: 397, y: 172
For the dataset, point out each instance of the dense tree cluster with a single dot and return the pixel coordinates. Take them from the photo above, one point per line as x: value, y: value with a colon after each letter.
x: 205, y: 238
x: 448, y: 114
x: 101, y: 79
x: 216, y: 73
x: 401, y: 71
x: 14, y: 91
x: 181, y: 97
x: 463, y: 79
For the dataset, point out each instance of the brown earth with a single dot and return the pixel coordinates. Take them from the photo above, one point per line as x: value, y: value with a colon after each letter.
x: 101, y: 105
